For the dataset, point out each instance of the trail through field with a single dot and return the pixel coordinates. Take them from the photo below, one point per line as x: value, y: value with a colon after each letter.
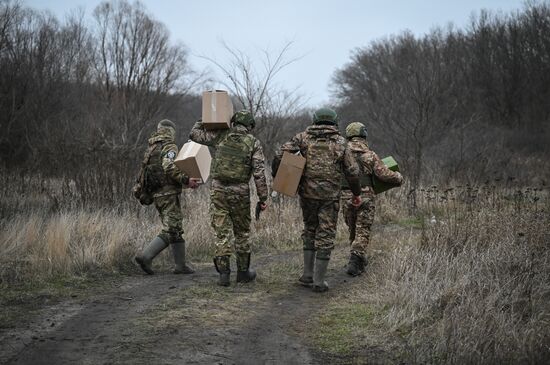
x: 175, y: 319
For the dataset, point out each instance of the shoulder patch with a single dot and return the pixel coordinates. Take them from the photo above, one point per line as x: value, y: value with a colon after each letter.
x: 171, y: 155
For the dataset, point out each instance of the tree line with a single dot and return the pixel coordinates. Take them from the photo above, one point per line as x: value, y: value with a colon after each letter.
x: 458, y: 104
x: 78, y: 95
x: 83, y: 93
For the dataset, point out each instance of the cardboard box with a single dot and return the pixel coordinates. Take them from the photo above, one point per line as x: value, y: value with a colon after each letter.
x: 217, y: 109
x: 289, y: 174
x: 194, y: 160
x: 381, y: 186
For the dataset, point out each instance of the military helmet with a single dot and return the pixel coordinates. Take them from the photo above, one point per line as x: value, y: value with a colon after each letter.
x: 166, y: 123
x: 356, y: 129
x: 244, y: 117
x: 325, y: 116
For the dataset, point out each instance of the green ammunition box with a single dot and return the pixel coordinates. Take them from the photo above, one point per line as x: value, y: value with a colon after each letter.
x: 381, y: 186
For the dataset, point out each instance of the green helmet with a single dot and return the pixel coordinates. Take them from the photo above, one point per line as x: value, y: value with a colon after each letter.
x: 166, y: 123
x: 356, y: 129
x: 325, y: 116
x: 244, y: 117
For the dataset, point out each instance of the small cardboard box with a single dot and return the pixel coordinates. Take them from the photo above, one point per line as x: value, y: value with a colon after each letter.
x: 289, y: 174
x: 194, y: 160
x: 381, y: 186
x: 217, y: 109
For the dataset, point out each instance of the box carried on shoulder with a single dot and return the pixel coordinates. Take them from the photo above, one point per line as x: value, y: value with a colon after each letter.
x: 380, y: 186
x: 217, y: 109
x: 289, y: 174
x: 194, y: 160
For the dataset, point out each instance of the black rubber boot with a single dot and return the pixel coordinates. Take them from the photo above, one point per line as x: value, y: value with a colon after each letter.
x: 178, y: 249
x: 356, y: 265
x: 223, y: 266
x: 309, y: 261
x: 244, y: 273
x: 319, y: 283
x: 145, y: 259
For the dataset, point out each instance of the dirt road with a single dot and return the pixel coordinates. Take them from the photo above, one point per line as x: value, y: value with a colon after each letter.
x: 171, y: 319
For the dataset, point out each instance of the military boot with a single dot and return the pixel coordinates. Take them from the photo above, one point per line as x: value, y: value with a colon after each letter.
x: 356, y: 265
x: 223, y: 267
x: 244, y: 273
x: 309, y: 260
x: 145, y: 259
x: 178, y: 249
x: 319, y: 283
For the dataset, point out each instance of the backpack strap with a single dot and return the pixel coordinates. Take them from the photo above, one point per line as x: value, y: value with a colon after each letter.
x: 145, y: 161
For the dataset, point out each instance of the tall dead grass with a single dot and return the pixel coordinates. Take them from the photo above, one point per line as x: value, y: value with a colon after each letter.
x: 476, y: 287
x: 55, y: 230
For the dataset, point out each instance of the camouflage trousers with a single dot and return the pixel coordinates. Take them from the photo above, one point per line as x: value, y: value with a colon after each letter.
x: 230, y: 218
x: 320, y: 221
x: 169, y: 209
x: 359, y: 221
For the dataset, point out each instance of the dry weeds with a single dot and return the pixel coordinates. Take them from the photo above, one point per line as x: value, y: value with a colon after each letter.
x: 463, y: 278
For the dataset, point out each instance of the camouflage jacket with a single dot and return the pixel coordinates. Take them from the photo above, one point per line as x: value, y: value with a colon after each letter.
x: 212, y: 138
x: 175, y: 179
x: 328, y: 187
x: 370, y: 164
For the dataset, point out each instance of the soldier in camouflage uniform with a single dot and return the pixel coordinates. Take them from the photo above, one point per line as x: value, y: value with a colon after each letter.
x: 327, y: 157
x: 359, y: 219
x: 239, y: 156
x: 166, y: 181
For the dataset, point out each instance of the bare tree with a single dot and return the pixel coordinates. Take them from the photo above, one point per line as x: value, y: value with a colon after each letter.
x: 402, y: 87
x: 136, y: 68
x: 255, y: 88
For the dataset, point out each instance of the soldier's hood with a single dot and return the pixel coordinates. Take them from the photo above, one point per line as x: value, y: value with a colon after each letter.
x: 322, y: 130
x: 163, y: 134
x: 359, y: 140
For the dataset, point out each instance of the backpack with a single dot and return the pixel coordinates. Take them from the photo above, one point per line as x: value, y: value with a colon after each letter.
x: 321, y: 160
x: 151, y: 175
x: 365, y: 179
x: 233, y: 160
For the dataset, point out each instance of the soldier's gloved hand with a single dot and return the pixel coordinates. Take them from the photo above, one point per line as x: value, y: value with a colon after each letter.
x: 400, y: 178
x: 356, y: 201
x: 193, y: 183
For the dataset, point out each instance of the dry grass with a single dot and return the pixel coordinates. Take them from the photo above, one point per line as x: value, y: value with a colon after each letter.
x: 472, y: 285
x: 463, y: 278
x: 52, y: 231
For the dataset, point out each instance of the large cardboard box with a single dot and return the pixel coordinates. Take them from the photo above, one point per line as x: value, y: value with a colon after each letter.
x: 381, y: 186
x: 289, y: 174
x: 217, y: 109
x: 194, y: 160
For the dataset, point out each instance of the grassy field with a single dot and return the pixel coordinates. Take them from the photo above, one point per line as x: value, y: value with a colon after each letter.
x: 463, y: 277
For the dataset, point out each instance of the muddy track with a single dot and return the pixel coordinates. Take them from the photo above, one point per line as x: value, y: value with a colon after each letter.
x: 106, y: 330
x: 91, y: 331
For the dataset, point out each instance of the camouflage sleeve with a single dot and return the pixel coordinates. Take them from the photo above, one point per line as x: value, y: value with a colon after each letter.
x: 258, y: 171
x: 291, y: 146
x: 352, y: 172
x: 169, y: 153
x: 200, y: 135
x: 385, y: 174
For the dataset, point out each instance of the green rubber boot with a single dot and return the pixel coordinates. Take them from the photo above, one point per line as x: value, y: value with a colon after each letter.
x: 178, y: 249
x: 145, y: 259
x: 356, y: 265
x: 223, y: 267
x: 244, y: 273
x: 309, y: 260
x: 319, y: 283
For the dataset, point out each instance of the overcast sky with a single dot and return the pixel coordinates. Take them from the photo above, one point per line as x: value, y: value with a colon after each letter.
x: 324, y: 32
